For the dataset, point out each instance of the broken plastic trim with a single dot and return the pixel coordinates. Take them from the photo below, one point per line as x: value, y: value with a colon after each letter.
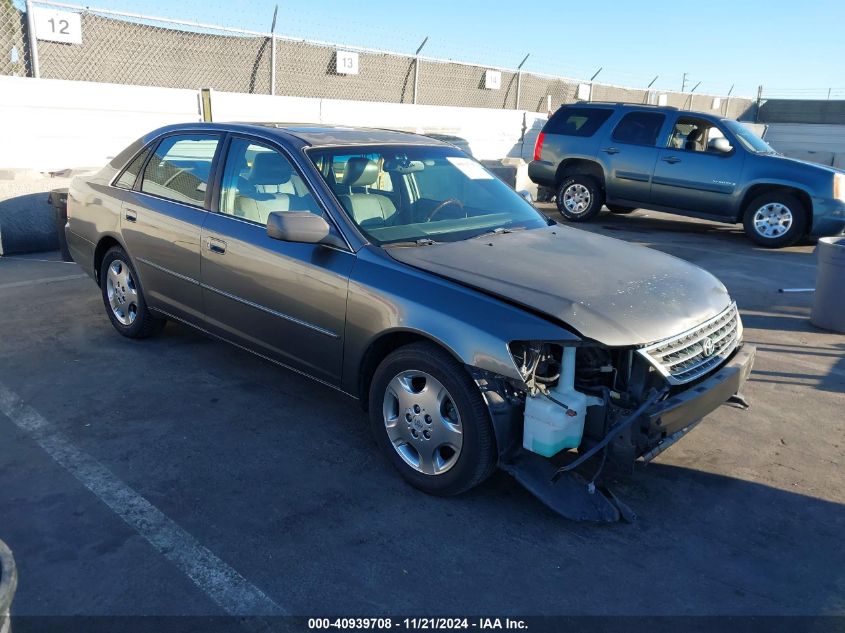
x: 612, y: 433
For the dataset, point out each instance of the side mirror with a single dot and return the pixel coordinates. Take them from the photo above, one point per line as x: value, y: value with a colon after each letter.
x: 297, y: 226
x: 526, y: 195
x: 720, y: 145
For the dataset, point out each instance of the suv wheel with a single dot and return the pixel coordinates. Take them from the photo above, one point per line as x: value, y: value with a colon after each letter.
x: 579, y: 198
x: 430, y: 419
x: 123, y: 298
x: 775, y: 220
x: 619, y: 209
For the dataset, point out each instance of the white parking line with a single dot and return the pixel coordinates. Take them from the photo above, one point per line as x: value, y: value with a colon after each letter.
x: 36, y: 282
x: 225, y: 586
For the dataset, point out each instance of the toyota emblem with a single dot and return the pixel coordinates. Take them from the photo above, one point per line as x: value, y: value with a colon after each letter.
x: 708, y: 347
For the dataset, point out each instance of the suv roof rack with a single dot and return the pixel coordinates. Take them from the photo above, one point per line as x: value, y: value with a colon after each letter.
x: 622, y: 104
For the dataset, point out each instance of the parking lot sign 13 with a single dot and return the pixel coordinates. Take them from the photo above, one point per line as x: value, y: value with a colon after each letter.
x: 58, y: 26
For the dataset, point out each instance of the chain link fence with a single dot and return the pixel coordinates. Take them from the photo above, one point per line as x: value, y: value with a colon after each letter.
x: 137, y: 49
x: 13, y: 45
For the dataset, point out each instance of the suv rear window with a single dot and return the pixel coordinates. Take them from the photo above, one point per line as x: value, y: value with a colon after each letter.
x: 639, y: 128
x: 577, y: 121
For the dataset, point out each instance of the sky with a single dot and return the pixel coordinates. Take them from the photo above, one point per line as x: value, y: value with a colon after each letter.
x: 789, y: 47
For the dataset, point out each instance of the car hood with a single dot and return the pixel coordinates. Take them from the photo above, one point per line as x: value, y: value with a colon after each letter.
x: 806, y: 163
x: 617, y: 293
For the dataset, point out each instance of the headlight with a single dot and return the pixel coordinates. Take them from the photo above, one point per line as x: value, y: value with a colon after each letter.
x: 839, y: 186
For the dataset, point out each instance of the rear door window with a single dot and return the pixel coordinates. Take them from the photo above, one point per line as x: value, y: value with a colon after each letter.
x: 577, y: 121
x: 180, y: 167
x: 639, y: 128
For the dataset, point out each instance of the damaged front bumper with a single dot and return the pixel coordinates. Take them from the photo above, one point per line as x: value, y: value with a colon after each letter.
x: 682, y: 411
x: 659, y: 425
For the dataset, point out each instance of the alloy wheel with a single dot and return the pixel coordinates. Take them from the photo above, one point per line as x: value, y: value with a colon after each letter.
x: 772, y: 220
x: 422, y: 422
x: 577, y: 199
x: 122, y: 292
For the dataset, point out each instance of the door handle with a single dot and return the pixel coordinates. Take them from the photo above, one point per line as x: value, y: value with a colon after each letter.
x: 131, y: 215
x: 611, y: 150
x: 216, y: 246
x: 671, y: 160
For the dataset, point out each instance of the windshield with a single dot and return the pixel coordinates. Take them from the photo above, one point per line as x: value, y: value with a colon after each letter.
x: 407, y: 193
x: 749, y: 139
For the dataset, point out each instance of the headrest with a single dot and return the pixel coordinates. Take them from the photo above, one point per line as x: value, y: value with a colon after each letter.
x: 269, y: 168
x: 360, y: 172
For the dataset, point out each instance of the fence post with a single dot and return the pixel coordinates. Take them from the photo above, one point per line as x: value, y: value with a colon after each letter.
x: 417, y: 67
x: 519, y: 79
x: 759, y: 103
x: 32, y: 40
x: 416, y: 76
x: 273, y: 52
x: 272, y: 63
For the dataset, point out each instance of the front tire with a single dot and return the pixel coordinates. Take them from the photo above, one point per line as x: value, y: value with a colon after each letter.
x: 579, y: 198
x: 431, y: 421
x: 775, y: 220
x: 123, y: 297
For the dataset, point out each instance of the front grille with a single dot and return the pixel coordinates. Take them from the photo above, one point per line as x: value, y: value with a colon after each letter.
x: 683, y: 358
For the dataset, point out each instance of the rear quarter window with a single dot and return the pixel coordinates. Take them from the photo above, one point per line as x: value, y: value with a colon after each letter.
x: 577, y: 121
x: 126, y: 180
x: 639, y: 128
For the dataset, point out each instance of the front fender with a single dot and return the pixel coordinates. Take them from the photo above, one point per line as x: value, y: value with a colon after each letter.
x: 387, y: 297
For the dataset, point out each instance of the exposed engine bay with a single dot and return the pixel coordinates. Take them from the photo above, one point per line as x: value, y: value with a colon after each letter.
x: 585, y: 413
x: 594, y: 387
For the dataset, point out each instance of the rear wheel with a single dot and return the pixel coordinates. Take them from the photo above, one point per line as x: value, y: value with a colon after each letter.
x: 619, y: 209
x: 579, y: 198
x: 123, y: 298
x: 775, y: 220
x: 429, y: 418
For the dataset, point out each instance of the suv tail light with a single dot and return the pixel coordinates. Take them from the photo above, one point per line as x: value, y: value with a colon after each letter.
x: 538, y: 147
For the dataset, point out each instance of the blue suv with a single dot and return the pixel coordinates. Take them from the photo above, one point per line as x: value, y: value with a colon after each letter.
x: 630, y: 156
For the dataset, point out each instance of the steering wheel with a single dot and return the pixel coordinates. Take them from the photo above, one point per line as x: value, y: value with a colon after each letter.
x: 448, y: 202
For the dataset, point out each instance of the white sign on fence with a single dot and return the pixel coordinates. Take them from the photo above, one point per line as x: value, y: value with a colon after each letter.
x: 492, y: 79
x: 57, y: 26
x: 347, y: 63
x: 584, y: 91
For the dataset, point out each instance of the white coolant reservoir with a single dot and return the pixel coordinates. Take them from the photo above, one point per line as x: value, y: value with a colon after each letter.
x: 549, y: 427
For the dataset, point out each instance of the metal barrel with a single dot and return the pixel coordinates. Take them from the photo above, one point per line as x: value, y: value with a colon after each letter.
x: 829, y: 299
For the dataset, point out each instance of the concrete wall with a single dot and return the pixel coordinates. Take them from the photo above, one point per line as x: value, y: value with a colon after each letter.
x: 487, y: 134
x: 50, y: 125
x: 823, y: 144
x: 802, y: 111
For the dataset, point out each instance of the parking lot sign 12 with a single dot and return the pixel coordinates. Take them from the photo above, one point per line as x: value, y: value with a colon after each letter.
x: 58, y: 26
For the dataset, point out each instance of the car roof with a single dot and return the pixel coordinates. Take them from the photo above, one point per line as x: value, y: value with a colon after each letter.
x: 313, y: 134
x: 642, y: 106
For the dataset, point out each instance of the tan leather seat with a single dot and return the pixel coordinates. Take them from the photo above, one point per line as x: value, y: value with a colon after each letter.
x: 259, y: 193
x: 364, y: 207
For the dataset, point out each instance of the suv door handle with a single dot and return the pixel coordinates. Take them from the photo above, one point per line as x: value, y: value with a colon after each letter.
x: 610, y: 150
x: 671, y: 160
x: 131, y: 215
x: 216, y: 246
